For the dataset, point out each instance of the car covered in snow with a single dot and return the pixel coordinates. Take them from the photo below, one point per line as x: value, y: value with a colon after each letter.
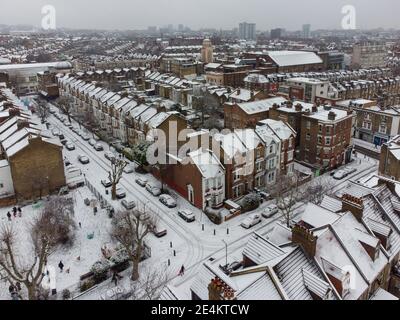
x: 83, y: 159
x: 187, y: 215
x: 98, y: 147
x: 270, y: 211
x: 106, y: 183
x: 92, y: 142
x: 128, y: 204
x: 340, y: 174
x: 120, y: 193
x: 69, y: 146
x: 167, y: 200
x: 251, y: 221
x: 109, y: 155
x: 159, y: 231
x: 141, y: 181
x: 153, y: 190
x: 85, y: 137
x: 129, y: 169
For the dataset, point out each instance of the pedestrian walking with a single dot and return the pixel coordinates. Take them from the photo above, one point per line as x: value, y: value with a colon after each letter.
x: 182, y: 271
x: 80, y: 225
x: 116, y: 277
x: 15, y: 214
x: 20, y: 212
x: 61, y: 266
x: 9, y: 216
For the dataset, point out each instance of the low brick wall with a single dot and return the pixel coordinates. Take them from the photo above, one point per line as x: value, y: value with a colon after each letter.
x: 7, y: 202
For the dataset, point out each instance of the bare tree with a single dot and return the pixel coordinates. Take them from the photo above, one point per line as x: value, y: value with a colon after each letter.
x: 130, y: 228
x: 43, y: 111
x: 66, y: 104
x: 287, y: 194
x: 150, y: 285
x: 316, y: 190
x: 115, y: 175
x: 45, y: 233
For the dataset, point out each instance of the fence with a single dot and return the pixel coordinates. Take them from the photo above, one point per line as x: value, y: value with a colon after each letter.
x: 103, y: 202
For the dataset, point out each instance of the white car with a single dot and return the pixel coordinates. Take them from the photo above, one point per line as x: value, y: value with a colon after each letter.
x: 167, y: 201
x: 153, y: 190
x: 128, y: 204
x: 98, y: 147
x: 120, y: 192
x: 69, y: 146
x: 92, y: 142
x: 129, y: 169
x: 340, y: 174
x: 109, y: 155
x: 187, y: 215
x: 83, y: 159
x: 141, y: 182
x: 56, y: 132
x: 85, y: 137
x: 251, y: 221
x: 270, y: 211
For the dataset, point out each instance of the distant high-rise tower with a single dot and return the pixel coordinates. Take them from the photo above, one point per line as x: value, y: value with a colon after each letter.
x: 276, y: 33
x: 207, y: 55
x: 306, y: 31
x: 247, y: 31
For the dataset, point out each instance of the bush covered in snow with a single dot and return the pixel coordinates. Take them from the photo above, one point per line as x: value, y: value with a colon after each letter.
x: 120, y: 260
x: 250, y: 202
x: 214, y: 215
x: 100, y: 270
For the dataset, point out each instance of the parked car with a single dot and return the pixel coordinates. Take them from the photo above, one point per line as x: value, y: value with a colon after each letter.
x: 106, y: 183
x: 153, y: 190
x: 67, y: 162
x: 61, y: 136
x: 109, y: 155
x: 159, y: 231
x: 98, y: 147
x: 92, y: 142
x: 340, y: 174
x: 187, y: 215
x: 350, y: 171
x: 85, y: 137
x: 56, y: 132
x: 69, y: 146
x: 64, y: 142
x: 167, y: 200
x: 270, y: 211
x: 251, y: 221
x: 141, y: 182
x: 83, y: 159
x: 120, y: 193
x: 128, y: 204
x: 129, y: 169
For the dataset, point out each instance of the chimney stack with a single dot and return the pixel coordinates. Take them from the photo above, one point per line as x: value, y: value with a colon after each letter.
x: 314, y: 108
x: 299, y: 107
x: 332, y: 116
x: 305, y: 238
x: 354, y: 205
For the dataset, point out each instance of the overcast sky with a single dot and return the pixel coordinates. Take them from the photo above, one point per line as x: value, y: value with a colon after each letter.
x: 225, y: 14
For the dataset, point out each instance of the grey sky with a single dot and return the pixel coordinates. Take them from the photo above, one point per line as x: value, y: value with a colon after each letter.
x: 226, y: 14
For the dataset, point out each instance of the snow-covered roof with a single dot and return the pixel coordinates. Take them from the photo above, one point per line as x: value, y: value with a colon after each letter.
x: 382, y: 294
x: 293, y: 58
x: 316, y: 216
x: 260, y: 250
x: 260, y: 105
x: 282, y: 130
x: 207, y: 163
x: 243, y: 95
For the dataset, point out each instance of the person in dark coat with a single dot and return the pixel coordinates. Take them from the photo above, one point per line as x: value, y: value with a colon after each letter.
x: 61, y: 266
x: 9, y: 216
x: 20, y: 212
x: 182, y: 271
